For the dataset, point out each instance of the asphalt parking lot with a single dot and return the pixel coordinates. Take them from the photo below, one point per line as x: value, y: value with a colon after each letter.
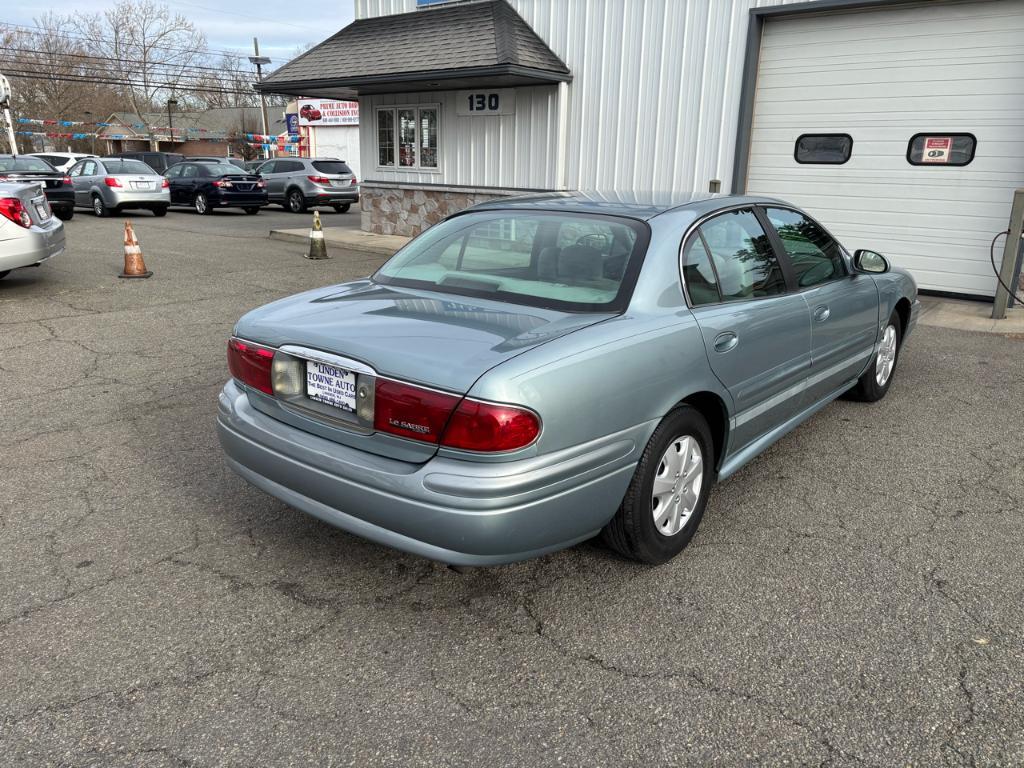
x: 855, y: 596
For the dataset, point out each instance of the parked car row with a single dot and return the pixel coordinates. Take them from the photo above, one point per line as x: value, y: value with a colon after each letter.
x: 155, y: 181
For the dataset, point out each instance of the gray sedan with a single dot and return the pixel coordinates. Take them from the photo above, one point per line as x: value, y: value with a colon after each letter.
x: 111, y: 184
x: 29, y: 232
x: 534, y: 372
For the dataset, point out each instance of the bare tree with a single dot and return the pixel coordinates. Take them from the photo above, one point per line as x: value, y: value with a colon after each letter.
x: 147, y: 47
x: 53, y: 75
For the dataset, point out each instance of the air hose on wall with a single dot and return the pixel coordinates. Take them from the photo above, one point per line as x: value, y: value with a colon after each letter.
x: 992, y: 256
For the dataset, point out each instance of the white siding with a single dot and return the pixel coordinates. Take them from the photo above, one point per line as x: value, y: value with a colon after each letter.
x: 883, y: 76
x: 516, y: 151
x: 653, y: 101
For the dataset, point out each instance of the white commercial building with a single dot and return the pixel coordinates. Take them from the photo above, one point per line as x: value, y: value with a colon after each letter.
x: 899, y: 124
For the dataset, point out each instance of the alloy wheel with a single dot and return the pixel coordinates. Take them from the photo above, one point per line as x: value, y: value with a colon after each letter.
x: 677, y: 485
x: 200, y: 203
x: 886, y: 359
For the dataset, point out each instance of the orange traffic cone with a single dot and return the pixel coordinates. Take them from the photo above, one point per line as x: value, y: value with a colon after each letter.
x: 134, y: 266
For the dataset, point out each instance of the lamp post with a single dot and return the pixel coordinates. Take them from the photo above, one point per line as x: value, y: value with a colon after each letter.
x: 259, y: 61
x: 172, y: 102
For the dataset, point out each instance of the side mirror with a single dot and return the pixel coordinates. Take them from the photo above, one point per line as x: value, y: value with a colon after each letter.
x: 870, y: 262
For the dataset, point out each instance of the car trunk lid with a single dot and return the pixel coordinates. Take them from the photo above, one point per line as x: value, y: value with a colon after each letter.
x: 441, y: 341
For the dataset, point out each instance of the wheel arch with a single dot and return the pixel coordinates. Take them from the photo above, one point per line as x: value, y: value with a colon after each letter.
x: 712, y: 407
x: 903, y: 312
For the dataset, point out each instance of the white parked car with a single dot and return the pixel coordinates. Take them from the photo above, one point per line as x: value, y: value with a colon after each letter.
x: 29, y: 232
x: 62, y: 161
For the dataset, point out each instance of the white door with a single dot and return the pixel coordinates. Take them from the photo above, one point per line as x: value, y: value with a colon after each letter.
x: 951, y: 74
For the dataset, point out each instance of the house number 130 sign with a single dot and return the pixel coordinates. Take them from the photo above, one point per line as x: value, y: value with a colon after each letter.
x: 478, y: 103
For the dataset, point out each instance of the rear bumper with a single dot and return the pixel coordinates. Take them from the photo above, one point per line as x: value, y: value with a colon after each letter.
x: 61, y: 199
x: 239, y: 200
x: 458, y: 512
x: 23, y: 248
x: 146, y: 199
x: 328, y: 196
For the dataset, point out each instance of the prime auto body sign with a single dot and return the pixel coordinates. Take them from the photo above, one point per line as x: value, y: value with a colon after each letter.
x: 323, y: 112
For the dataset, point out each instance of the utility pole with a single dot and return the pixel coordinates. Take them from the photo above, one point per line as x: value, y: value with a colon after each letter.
x: 5, y: 104
x: 170, y: 122
x: 259, y: 61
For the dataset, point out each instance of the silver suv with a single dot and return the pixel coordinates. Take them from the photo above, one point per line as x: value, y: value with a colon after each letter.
x: 301, y: 182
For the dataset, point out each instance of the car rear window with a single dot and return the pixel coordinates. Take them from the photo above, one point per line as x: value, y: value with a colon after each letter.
x: 24, y: 163
x: 574, y: 262
x: 220, y: 169
x: 118, y: 165
x: 335, y: 167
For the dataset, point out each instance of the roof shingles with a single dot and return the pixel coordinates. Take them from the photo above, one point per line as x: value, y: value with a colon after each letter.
x: 474, y: 35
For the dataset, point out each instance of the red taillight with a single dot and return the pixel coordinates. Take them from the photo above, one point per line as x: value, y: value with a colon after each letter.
x: 319, y: 179
x: 110, y: 181
x: 262, y: 183
x: 164, y: 184
x: 477, y: 426
x: 66, y: 180
x: 250, y: 364
x: 355, y: 180
x: 12, y: 208
x: 436, y: 417
x: 409, y: 411
x: 222, y: 183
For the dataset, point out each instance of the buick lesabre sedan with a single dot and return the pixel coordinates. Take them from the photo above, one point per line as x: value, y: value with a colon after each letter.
x: 533, y: 372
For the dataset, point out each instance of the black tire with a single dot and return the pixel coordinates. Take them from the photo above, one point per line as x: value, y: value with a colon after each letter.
x: 201, y: 204
x: 633, y: 532
x: 296, y: 201
x: 4, y: 273
x: 99, y: 207
x: 252, y: 211
x: 161, y: 211
x: 341, y: 208
x: 64, y: 214
x: 867, y: 389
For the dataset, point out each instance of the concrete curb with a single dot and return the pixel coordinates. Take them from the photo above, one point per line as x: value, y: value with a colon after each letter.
x: 346, y: 239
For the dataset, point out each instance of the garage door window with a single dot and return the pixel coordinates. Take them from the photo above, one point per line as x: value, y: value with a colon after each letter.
x: 954, y: 149
x: 823, y: 148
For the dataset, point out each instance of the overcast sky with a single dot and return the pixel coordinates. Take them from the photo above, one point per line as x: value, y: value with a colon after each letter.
x: 228, y: 24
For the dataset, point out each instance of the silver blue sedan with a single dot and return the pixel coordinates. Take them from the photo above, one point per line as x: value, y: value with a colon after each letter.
x: 534, y: 372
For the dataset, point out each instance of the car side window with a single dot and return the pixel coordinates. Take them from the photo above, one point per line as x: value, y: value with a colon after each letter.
x: 77, y: 170
x: 266, y: 168
x: 816, y: 257
x: 699, y: 273
x: 742, y: 255
x: 89, y: 169
x: 188, y: 171
x: 173, y: 172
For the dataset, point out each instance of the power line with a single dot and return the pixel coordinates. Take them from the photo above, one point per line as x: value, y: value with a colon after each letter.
x: 35, y: 29
x: 88, y: 78
x: 248, y: 15
x: 110, y: 59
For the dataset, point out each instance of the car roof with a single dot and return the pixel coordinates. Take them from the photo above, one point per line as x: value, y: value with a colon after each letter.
x: 637, y: 205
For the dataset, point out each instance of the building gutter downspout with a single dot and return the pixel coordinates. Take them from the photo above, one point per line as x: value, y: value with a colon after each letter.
x: 562, y: 141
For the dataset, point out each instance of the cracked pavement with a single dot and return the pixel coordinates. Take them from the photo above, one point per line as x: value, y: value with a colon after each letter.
x: 855, y: 596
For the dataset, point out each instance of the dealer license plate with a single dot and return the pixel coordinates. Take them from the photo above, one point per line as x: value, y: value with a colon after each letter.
x: 42, y: 208
x: 331, y: 385
x: 141, y: 185
x: 340, y: 182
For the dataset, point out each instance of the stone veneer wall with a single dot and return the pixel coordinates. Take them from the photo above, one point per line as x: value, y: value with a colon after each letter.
x: 407, y: 209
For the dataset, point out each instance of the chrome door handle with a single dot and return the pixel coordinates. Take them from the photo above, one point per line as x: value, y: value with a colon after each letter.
x: 821, y: 313
x: 726, y: 341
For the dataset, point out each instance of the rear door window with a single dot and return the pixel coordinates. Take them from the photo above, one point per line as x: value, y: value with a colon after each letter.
x: 332, y: 167
x: 699, y: 274
x: 816, y: 257
x: 742, y: 255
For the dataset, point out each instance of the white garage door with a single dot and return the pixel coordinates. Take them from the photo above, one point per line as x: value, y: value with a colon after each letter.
x: 883, y: 76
